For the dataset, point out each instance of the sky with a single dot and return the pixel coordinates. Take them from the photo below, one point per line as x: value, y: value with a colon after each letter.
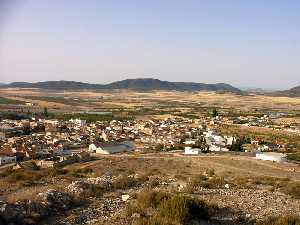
x: 244, y: 43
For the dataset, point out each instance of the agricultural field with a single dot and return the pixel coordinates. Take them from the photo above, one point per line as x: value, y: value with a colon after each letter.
x: 163, y: 101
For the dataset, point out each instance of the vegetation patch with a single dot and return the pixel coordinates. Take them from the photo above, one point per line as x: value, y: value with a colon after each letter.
x: 4, y: 101
x: 162, y: 208
x: 294, y: 157
x: 293, y: 189
x: 86, y: 116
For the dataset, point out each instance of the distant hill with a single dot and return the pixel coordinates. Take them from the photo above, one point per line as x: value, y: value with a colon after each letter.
x: 57, y: 85
x: 293, y: 92
x: 134, y: 84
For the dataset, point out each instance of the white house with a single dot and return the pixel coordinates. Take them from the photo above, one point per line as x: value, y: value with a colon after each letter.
x: 192, y: 151
x: 217, y: 148
x: 92, y: 148
x: 271, y: 156
x: 190, y: 142
x: 111, y: 148
x: 230, y: 140
x: 7, y: 159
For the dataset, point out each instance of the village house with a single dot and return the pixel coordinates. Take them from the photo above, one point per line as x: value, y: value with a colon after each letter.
x: 192, y: 151
x: 111, y: 148
x: 271, y: 156
x: 7, y: 155
x: 5, y: 159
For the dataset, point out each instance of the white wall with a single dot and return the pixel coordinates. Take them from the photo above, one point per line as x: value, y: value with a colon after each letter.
x: 7, y: 159
x: 271, y: 157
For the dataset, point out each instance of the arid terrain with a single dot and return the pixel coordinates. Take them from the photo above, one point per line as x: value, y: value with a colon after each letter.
x: 130, y: 98
x: 256, y: 189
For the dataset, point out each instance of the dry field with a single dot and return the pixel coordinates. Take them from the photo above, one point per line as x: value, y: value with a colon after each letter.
x: 132, y: 99
x: 174, y: 164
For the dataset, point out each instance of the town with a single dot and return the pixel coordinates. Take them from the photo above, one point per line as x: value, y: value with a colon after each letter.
x: 51, y: 142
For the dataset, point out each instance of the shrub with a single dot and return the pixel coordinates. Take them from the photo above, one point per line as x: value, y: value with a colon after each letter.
x: 75, y: 173
x: 151, y: 198
x: 294, y: 157
x: 168, y: 209
x: 210, y: 172
x: 143, y: 178
x: 293, y: 189
x: 203, y: 181
x: 182, y: 208
x: 53, y: 172
x: 28, y: 177
x: 84, y: 170
x: 124, y: 182
x: 197, y: 181
x: 92, y: 190
x: 6, y: 172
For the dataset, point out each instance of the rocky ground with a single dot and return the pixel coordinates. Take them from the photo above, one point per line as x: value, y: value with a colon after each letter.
x: 63, y: 208
x: 256, y: 204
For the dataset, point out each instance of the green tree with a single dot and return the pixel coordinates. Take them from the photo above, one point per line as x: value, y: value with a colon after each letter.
x: 214, y: 112
x: 45, y: 112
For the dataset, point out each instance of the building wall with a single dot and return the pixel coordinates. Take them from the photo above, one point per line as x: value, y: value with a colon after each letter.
x: 101, y: 151
x: 275, y: 158
x: 7, y: 159
x: 191, y: 151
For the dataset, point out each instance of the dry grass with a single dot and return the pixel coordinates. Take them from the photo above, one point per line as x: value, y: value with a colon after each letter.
x: 131, y: 99
x: 30, y: 193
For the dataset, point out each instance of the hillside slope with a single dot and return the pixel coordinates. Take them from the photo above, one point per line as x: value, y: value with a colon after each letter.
x: 134, y: 84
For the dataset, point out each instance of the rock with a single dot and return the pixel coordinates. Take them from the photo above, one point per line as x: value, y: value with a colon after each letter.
x: 2, y: 206
x: 227, y: 186
x: 125, y: 198
x: 57, y: 200
x: 180, y: 187
x: 136, y: 215
x: 76, y: 187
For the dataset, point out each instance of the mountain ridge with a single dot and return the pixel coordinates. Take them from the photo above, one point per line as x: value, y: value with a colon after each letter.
x: 133, y: 84
x: 293, y: 92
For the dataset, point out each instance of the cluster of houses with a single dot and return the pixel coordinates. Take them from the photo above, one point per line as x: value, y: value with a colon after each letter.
x: 54, y: 141
x: 267, y: 121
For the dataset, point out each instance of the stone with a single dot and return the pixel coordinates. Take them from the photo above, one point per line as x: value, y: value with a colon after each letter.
x: 125, y: 198
x: 136, y: 215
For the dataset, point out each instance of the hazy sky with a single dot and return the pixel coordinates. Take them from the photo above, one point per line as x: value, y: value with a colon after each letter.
x: 244, y: 43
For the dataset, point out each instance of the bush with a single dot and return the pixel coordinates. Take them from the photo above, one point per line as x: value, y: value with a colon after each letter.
x: 29, y: 177
x: 77, y: 174
x: 151, y: 198
x: 85, y: 170
x: 81, y: 172
x: 169, y: 209
x: 293, y: 189
x: 294, y: 157
x: 210, y: 172
x: 124, y: 182
x: 6, y: 172
x: 205, y: 182
x: 54, y: 172
x: 182, y: 208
